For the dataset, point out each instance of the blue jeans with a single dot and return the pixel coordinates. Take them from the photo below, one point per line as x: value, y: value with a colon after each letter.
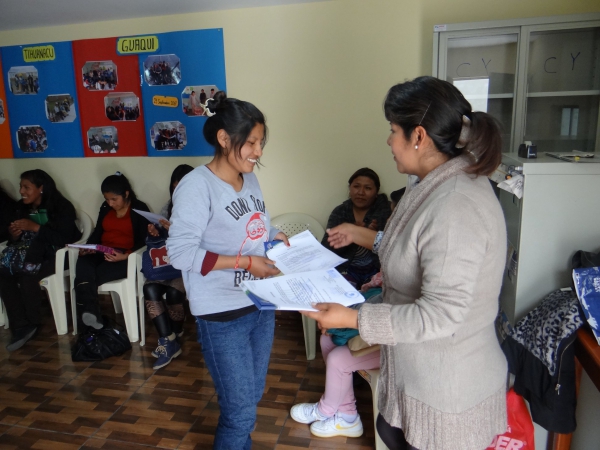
x: 237, y: 356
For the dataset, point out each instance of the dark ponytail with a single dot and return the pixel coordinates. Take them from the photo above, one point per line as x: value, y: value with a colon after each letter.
x: 485, y: 143
x: 439, y: 107
x: 236, y: 117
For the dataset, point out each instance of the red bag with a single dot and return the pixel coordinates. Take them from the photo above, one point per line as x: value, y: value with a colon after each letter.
x: 519, y: 433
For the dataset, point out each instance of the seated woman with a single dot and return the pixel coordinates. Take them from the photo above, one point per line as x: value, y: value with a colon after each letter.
x: 167, y: 314
x: 7, y: 209
x: 47, y: 220
x: 117, y: 227
x: 365, y: 208
x: 335, y: 414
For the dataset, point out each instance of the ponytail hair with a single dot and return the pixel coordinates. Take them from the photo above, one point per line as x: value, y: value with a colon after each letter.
x: 440, y: 108
x: 118, y: 184
x: 236, y: 117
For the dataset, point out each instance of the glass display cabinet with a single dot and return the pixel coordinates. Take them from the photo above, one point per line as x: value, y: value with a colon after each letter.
x: 539, y: 77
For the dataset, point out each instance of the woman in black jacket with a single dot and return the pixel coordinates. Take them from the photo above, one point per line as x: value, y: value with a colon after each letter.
x: 7, y: 208
x: 119, y: 228
x: 46, y: 218
x: 366, y: 207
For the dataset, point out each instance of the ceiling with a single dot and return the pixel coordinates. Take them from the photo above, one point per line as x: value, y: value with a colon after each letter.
x: 19, y: 14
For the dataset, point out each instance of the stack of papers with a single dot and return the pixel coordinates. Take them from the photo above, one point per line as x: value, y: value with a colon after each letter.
x: 309, y: 277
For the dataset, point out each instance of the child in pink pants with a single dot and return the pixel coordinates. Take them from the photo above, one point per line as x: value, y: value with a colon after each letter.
x: 335, y: 414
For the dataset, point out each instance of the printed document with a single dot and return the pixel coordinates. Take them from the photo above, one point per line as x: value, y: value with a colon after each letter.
x: 309, y: 277
x: 150, y: 217
x: 297, y: 292
x: 304, y: 254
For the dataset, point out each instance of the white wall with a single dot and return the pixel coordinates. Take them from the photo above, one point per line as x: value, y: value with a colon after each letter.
x: 319, y: 72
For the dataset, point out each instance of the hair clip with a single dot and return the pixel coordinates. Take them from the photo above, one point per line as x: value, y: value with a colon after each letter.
x: 117, y: 173
x: 425, y: 113
x: 208, y: 112
x: 465, y: 132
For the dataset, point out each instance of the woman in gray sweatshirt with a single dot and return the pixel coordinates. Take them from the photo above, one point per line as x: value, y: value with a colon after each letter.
x: 218, y: 230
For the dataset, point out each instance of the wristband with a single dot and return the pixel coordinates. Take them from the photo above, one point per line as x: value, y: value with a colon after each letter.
x: 249, y: 264
x: 237, y: 261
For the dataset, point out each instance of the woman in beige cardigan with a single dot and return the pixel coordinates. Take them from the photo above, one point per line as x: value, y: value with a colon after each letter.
x: 442, y: 253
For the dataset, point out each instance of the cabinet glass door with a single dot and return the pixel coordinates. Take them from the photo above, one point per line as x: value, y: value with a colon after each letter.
x: 563, y: 89
x: 483, y: 68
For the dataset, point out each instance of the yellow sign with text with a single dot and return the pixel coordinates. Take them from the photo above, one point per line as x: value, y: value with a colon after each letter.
x: 137, y: 44
x: 41, y: 53
x: 161, y: 100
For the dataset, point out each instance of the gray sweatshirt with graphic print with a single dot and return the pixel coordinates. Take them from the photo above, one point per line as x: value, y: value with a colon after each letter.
x: 210, y: 216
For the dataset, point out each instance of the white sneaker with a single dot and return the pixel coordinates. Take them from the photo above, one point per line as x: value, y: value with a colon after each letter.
x: 306, y: 413
x: 336, y: 426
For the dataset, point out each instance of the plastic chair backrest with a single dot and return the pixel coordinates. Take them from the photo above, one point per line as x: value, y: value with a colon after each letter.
x: 85, y: 224
x: 294, y: 223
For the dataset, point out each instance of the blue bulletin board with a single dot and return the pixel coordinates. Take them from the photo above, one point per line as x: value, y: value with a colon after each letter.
x: 178, y: 72
x: 185, y: 61
x: 42, y: 100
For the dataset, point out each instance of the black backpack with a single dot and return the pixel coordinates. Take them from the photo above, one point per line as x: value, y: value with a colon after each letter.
x: 97, y: 345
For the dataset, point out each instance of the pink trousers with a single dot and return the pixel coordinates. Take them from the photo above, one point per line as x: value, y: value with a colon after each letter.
x: 339, y: 362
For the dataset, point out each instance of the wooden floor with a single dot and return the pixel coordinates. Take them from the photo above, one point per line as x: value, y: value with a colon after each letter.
x: 49, y: 402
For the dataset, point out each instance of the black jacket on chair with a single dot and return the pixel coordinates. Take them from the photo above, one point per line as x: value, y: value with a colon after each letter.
x: 541, y: 355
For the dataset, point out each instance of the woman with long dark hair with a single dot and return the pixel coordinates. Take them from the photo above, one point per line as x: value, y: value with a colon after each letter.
x: 7, y: 209
x: 164, y: 299
x: 117, y: 227
x: 44, y: 221
x: 365, y: 207
x: 443, y: 374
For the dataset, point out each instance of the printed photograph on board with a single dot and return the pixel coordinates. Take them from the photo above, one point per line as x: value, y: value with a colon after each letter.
x: 23, y: 80
x: 99, y: 75
x: 32, y: 139
x: 122, y: 106
x: 193, y: 99
x: 103, y: 139
x: 161, y: 70
x: 1, y: 112
x: 60, y: 108
x: 168, y: 136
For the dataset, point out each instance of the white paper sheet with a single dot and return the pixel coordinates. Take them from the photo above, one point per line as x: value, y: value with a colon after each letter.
x: 304, y: 254
x: 151, y: 217
x: 298, y: 291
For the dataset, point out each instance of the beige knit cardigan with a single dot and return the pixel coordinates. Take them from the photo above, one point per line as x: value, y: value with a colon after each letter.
x: 443, y: 374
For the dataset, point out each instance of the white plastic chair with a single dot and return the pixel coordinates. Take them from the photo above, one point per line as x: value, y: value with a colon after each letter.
x: 3, y: 316
x: 55, y: 284
x: 124, y: 292
x: 372, y: 377
x: 291, y: 224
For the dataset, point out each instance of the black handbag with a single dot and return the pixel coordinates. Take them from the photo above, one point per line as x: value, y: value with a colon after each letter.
x: 583, y: 259
x: 14, y: 255
x: 97, y: 345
